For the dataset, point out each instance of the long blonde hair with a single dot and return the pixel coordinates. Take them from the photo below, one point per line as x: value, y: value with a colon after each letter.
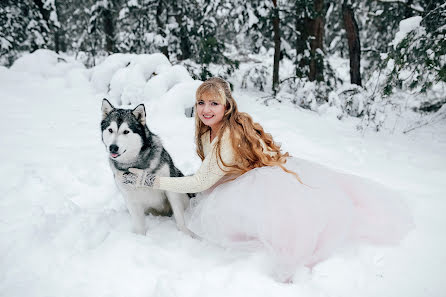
x: 246, y: 135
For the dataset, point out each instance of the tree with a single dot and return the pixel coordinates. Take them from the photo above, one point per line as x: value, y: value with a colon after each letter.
x: 102, y: 24
x: 378, y: 22
x: 276, y: 29
x: 47, y: 9
x: 354, y: 46
x: 136, y: 27
x: 416, y: 61
x: 183, y: 13
x: 309, y: 18
x: 109, y: 27
x: 316, y: 29
x: 23, y: 29
x: 161, y: 10
x: 13, y: 34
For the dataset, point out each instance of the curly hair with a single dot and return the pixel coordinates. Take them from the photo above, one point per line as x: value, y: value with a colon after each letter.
x: 252, y: 146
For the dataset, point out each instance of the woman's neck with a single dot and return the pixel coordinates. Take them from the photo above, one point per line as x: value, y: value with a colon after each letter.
x: 213, y: 132
x: 212, y: 135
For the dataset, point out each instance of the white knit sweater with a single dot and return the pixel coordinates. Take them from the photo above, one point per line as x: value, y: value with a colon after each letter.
x: 210, y: 172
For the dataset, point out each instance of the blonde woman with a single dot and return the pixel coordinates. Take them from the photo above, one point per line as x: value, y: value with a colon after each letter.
x: 257, y: 197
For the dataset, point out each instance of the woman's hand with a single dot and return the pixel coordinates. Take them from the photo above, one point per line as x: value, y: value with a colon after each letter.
x: 139, y: 178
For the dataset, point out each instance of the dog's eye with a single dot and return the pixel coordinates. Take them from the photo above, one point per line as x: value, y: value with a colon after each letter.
x: 110, y: 130
x: 126, y: 132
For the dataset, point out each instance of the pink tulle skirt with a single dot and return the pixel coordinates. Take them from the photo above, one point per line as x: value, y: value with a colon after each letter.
x: 298, y: 224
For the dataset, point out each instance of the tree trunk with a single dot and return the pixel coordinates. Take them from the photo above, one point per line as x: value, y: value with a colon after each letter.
x: 109, y: 30
x: 159, y: 23
x: 58, y: 36
x: 317, y: 32
x: 276, y: 29
x: 301, y: 45
x: 354, y: 46
x: 56, y: 41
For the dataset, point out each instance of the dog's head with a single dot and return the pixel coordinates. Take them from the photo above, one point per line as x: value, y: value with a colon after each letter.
x: 123, y: 131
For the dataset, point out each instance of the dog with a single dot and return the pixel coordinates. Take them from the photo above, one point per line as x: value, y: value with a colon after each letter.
x: 130, y: 144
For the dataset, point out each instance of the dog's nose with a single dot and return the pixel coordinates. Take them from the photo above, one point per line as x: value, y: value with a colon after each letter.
x: 114, y: 148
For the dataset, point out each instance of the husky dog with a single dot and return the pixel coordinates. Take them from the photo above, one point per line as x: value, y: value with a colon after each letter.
x: 130, y: 144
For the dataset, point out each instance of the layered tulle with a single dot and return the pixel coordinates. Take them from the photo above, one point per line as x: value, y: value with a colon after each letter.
x: 298, y: 224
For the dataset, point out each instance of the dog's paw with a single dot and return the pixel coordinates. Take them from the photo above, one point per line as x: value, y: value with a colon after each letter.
x: 188, y: 232
x: 195, y: 236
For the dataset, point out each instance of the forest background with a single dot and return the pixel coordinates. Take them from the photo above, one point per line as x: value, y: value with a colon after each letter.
x: 294, y: 51
x: 311, y: 72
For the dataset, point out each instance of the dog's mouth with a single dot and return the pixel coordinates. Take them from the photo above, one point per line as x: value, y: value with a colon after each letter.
x: 115, y: 155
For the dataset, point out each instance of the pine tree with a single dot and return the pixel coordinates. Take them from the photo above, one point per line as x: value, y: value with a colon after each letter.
x: 309, y: 16
x: 417, y: 61
x: 204, y: 24
x: 149, y: 26
x: 183, y: 29
x: 48, y: 12
x: 23, y: 29
x: 378, y: 21
x: 12, y: 34
x: 101, y: 25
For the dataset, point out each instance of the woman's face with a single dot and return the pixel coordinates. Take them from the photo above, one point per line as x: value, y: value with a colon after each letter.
x: 210, y: 110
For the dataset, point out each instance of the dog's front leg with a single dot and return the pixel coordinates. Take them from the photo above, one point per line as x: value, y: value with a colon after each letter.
x: 138, y: 217
x: 179, y: 202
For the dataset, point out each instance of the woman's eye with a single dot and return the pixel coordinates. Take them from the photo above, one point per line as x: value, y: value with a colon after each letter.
x: 214, y: 103
x: 200, y: 102
x: 110, y: 130
x: 126, y: 132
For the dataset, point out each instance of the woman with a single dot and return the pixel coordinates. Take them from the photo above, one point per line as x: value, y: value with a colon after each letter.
x: 255, y: 196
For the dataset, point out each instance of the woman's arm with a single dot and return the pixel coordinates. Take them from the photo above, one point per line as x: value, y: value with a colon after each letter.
x: 209, y: 173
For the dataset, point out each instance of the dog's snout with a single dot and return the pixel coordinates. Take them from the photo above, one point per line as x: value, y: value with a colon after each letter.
x: 114, y: 148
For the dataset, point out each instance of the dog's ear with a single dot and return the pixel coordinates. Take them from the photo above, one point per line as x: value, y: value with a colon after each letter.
x: 107, y: 107
x: 140, y: 114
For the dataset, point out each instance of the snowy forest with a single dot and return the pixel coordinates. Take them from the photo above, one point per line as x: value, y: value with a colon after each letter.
x: 350, y: 87
x: 293, y: 50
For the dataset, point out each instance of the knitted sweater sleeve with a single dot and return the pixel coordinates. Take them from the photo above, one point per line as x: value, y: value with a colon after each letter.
x: 210, y: 172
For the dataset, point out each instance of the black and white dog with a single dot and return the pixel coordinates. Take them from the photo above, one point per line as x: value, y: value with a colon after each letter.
x: 130, y: 144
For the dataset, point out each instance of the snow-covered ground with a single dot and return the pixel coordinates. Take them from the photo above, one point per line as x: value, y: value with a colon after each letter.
x: 65, y: 230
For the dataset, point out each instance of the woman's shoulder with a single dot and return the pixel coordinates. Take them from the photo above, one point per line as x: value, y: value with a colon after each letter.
x: 225, y: 139
x: 205, y: 137
x: 226, y: 135
x: 226, y: 146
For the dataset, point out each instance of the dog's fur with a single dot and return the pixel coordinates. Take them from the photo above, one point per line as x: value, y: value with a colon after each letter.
x: 130, y: 144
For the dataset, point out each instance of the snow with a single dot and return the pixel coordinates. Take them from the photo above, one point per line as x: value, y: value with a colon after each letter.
x: 65, y: 230
x: 5, y: 43
x: 252, y: 19
x: 406, y: 26
x: 45, y: 63
x: 162, y: 82
x: 108, y: 75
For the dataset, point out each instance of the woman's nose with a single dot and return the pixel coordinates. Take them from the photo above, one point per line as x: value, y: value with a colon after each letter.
x: 206, y: 107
